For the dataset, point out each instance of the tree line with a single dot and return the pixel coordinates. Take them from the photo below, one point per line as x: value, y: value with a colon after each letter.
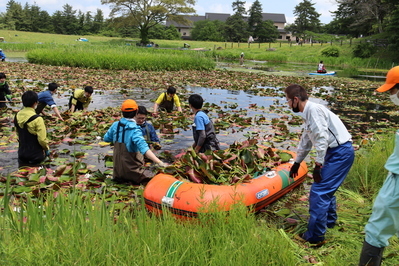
x: 145, y: 19
x: 72, y: 22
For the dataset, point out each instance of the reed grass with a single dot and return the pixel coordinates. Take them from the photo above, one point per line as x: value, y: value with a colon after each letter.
x: 368, y: 173
x: 75, y: 229
x: 132, y: 59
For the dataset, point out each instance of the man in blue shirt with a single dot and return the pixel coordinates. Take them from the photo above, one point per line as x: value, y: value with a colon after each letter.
x: 384, y: 220
x: 46, y: 98
x: 129, y: 148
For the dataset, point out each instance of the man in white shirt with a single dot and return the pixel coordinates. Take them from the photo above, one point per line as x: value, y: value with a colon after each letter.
x: 324, y: 131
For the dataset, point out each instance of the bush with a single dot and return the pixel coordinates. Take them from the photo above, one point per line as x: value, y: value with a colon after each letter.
x: 364, y: 50
x: 330, y: 52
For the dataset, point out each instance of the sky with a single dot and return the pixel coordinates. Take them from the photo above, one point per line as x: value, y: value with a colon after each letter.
x: 285, y: 7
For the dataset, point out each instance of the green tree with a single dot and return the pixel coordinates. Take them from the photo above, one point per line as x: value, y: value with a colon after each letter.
x: 71, y: 25
x: 162, y: 32
x: 307, y: 19
x: 145, y: 14
x: 393, y: 32
x: 235, y: 26
x: 266, y: 31
x: 14, y: 15
x: 206, y: 30
x: 255, y: 17
x: 57, y: 21
x: 98, y: 22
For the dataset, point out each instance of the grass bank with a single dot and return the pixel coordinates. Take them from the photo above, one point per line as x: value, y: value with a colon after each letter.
x: 279, y: 52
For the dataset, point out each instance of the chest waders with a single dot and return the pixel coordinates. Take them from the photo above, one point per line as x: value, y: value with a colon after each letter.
x: 78, y: 106
x: 128, y: 166
x: 211, y: 142
x: 30, y: 152
x: 166, y: 105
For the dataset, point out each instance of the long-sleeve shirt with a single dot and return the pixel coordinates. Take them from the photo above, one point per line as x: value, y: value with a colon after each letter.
x: 149, y: 132
x: 47, y: 98
x: 392, y: 164
x: 133, y: 138
x: 79, y: 95
x: 322, y: 129
x: 35, y: 127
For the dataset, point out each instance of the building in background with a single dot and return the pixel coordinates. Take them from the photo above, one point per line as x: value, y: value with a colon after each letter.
x: 185, y: 30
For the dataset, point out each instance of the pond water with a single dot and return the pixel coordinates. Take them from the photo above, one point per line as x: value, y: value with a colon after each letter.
x: 231, y: 101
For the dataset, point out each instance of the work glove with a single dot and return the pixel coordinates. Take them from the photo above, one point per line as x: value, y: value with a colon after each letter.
x: 48, y: 153
x: 294, y: 170
x: 156, y: 146
x: 317, y: 173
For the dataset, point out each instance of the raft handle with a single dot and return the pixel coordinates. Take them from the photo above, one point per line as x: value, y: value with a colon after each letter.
x: 167, y: 201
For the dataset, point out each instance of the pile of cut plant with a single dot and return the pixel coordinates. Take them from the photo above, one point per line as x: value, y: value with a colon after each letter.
x: 239, y: 163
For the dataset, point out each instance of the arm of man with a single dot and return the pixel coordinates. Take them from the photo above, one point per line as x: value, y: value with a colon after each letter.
x: 177, y: 103
x: 158, y: 102
x: 38, y: 128
x: 86, y: 103
x: 55, y: 109
x: 153, y: 133
x: 109, y: 136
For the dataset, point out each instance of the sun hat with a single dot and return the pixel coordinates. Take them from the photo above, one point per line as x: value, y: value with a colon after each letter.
x: 391, y: 81
x: 129, y: 106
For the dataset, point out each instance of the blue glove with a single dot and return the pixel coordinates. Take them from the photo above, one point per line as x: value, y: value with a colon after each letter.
x: 48, y: 153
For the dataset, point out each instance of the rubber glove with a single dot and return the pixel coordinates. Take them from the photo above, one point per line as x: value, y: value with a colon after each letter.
x: 294, y: 170
x: 156, y: 146
x: 317, y: 173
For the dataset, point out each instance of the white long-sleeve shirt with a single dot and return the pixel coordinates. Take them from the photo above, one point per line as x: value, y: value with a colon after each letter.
x: 322, y: 129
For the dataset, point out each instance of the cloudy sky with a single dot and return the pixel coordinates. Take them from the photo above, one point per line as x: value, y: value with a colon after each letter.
x: 286, y: 7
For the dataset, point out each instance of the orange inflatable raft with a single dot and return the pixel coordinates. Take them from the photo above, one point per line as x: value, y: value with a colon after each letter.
x: 185, y: 199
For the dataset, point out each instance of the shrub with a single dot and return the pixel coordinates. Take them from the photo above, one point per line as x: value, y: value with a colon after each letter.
x: 364, y: 50
x: 330, y: 52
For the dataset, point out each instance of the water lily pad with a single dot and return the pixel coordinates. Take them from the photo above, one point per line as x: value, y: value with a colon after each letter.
x: 86, y: 147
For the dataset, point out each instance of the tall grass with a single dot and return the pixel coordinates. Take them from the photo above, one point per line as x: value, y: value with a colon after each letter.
x: 132, y: 59
x: 368, y: 173
x: 73, y: 229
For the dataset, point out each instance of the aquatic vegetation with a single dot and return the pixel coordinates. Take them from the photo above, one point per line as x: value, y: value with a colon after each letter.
x: 239, y: 163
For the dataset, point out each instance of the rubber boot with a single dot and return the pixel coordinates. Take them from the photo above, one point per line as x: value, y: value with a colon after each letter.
x: 371, y: 255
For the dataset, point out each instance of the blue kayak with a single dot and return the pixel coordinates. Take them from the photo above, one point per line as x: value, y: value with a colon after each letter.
x: 329, y: 73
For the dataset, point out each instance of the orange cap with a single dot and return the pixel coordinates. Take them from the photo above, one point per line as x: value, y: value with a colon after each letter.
x: 391, y: 81
x: 129, y: 106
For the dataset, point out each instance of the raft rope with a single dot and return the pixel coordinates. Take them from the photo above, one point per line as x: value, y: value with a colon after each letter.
x: 170, y: 194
